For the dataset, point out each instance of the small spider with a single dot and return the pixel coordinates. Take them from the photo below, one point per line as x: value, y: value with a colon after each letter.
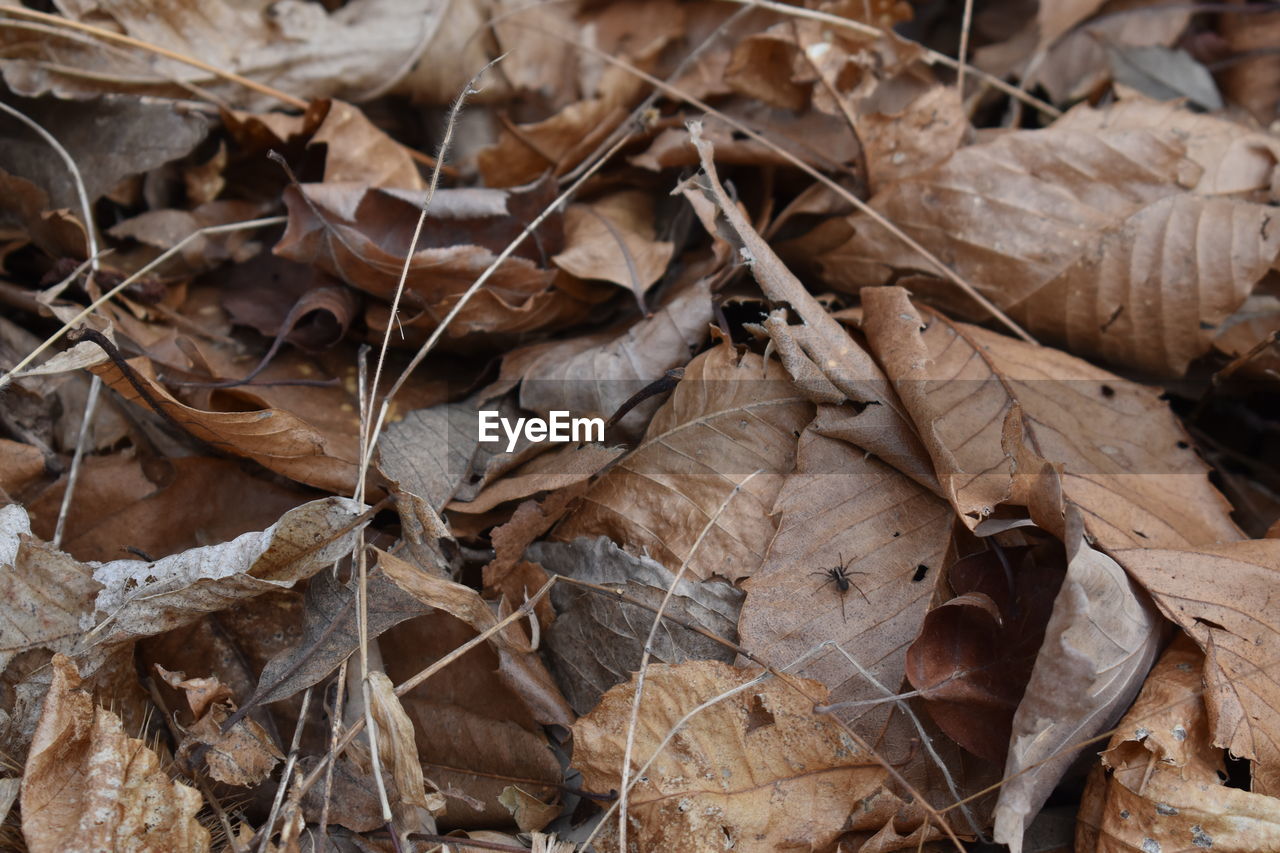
x: 839, y: 575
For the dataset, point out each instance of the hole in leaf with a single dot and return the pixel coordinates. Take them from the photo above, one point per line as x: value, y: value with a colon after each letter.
x: 921, y: 571
x: 758, y: 716
x: 1108, y: 391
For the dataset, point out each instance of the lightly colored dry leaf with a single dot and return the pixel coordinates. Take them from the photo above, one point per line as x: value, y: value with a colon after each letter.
x: 399, y: 751
x: 757, y: 771
x: 1159, y: 784
x: 840, y: 505
x: 727, y: 418
x: 821, y: 348
x: 1126, y: 460
x: 1221, y: 597
x: 1096, y: 241
x: 613, y: 239
x: 141, y: 599
x: 89, y: 786
x: 1102, y: 638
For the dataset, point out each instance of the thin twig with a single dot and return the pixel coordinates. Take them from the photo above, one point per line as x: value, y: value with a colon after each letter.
x: 264, y: 834
x: 82, y: 440
x: 965, y: 23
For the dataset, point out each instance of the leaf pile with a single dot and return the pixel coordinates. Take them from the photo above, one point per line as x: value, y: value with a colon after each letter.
x: 937, y: 406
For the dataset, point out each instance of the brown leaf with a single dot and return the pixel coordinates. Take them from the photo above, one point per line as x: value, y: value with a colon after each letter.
x: 191, y: 501
x: 1253, y: 81
x: 975, y: 652
x: 242, y: 756
x: 821, y: 349
x: 612, y: 239
x: 140, y: 598
x: 89, y: 786
x: 1217, y: 594
x: 758, y: 770
x: 962, y: 386
x: 1162, y: 784
x: 20, y: 466
x: 559, y: 468
x: 1095, y: 241
x: 901, y: 139
x: 1102, y: 638
x: 274, y: 438
x: 306, y: 52
x: 361, y: 234
x: 596, y: 642
x: 842, y: 506
x: 399, y: 751
x: 728, y: 417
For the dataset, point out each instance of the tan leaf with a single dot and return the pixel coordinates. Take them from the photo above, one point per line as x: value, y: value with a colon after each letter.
x: 89, y: 786
x: 756, y: 771
x: 727, y: 418
x: 274, y: 438
x: 962, y: 385
x: 20, y: 465
x: 902, y: 139
x: 558, y: 468
x: 530, y: 813
x: 1162, y: 785
x: 1094, y: 241
x: 612, y: 238
x: 397, y: 747
x: 1101, y: 640
x: 821, y: 349
x: 47, y: 594
x: 1219, y: 596
x: 841, y: 506
x: 296, y: 48
x: 141, y: 599
x: 1056, y: 17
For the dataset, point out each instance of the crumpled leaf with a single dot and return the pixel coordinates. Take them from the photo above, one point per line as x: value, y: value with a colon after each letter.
x: 840, y: 505
x: 360, y: 234
x: 243, y: 755
x: 596, y: 642
x: 31, y: 571
x: 1126, y: 461
x: 755, y: 771
x: 820, y: 355
x: 1093, y: 241
x: 727, y: 418
x: 1102, y: 638
x: 141, y: 599
x: 1218, y: 595
x: 399, y: 751
x: 530, y: 813
x: 89, y: 786
x: 1162, y: 786
x: 274, y: 438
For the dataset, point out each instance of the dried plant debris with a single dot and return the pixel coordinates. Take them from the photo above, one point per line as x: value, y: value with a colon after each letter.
x: 849, y: 426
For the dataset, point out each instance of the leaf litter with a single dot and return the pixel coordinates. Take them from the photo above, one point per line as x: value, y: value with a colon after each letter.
x: 936, y: 418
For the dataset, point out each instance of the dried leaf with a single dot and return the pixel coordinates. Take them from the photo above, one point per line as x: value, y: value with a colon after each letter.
x: 841, y: 506
x: 757, y: 770
x: 530, y: 813
x: 1217, y: 594
x: 398, y: 750
x: 331, y: 632
x: 274, y: 438
x: 1164, y: 74
x: 141, y: 599
x: 89, y: 786
x: 613, y: 239
x: 597, y: 642
x: 1101, y: 640
x: 592, y: 375
x: 242, y: 756
x: 726, y: 419
x: 1089, y: 240
x: 962, y: 386
x: 1163, y: 781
